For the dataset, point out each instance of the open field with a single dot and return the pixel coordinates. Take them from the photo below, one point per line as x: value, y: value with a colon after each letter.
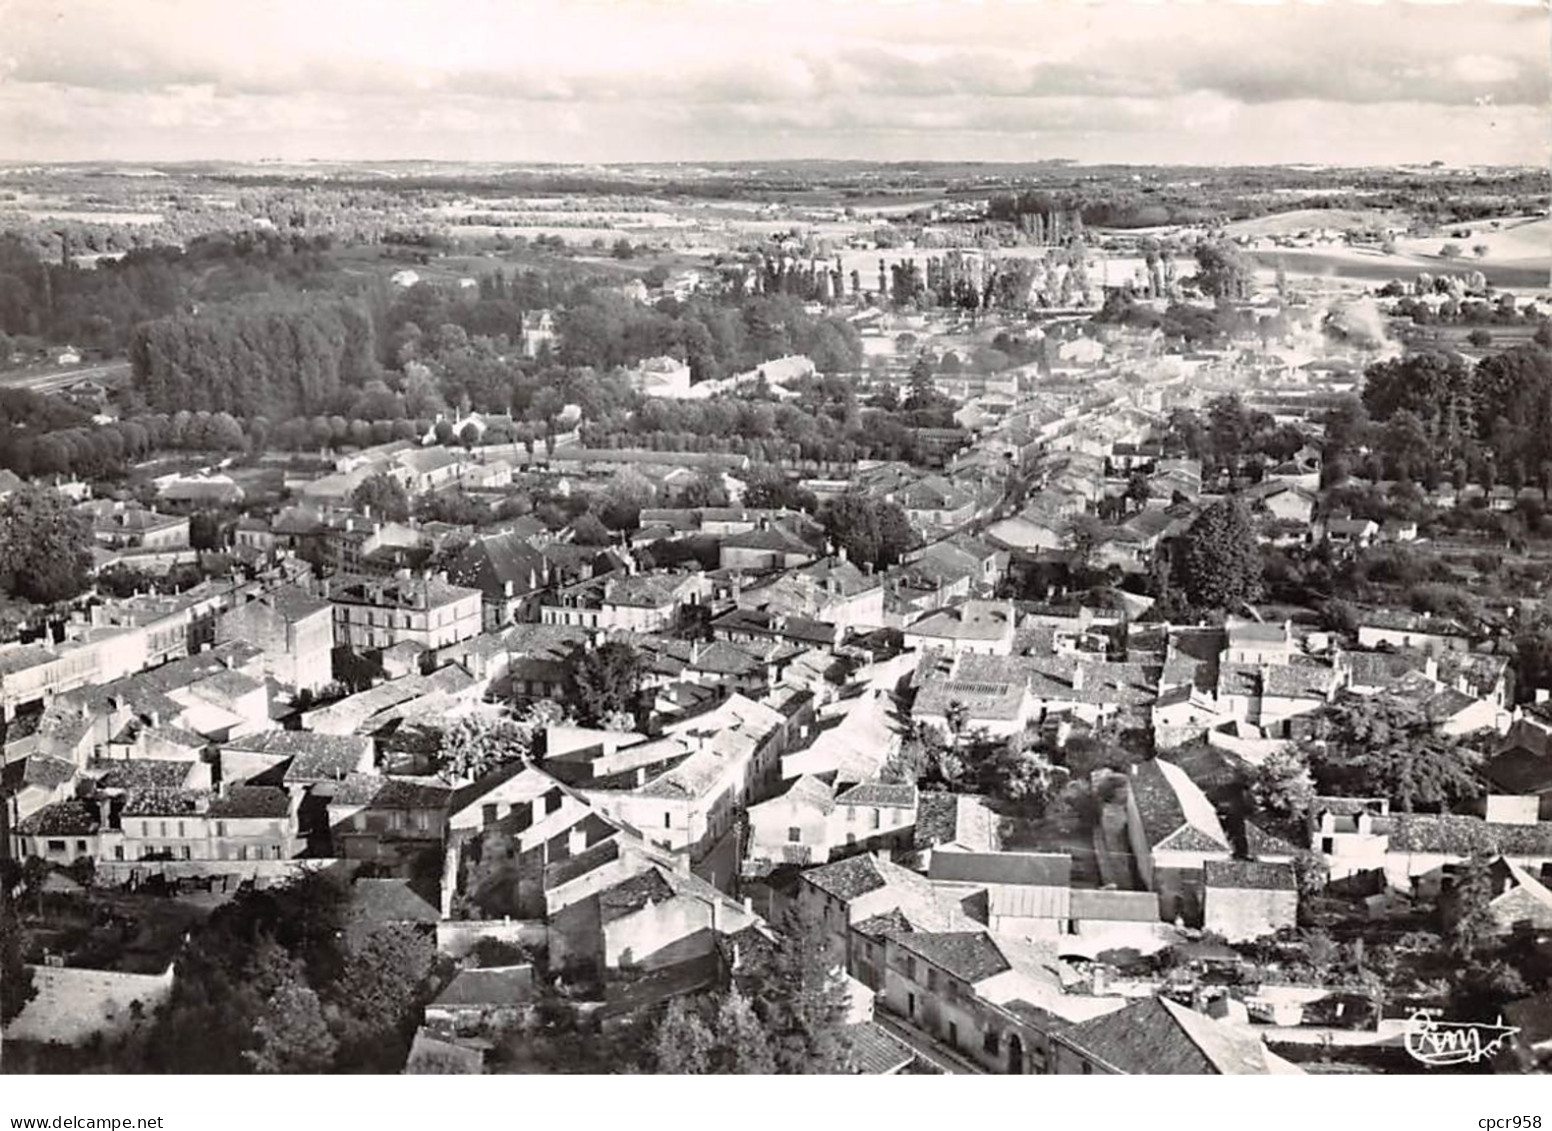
x: 1311, y: 219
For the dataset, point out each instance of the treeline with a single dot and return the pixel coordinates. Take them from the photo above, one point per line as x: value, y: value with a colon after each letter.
x: 275, y: 360
x: 715, y: 339
x: 1436, y: 416
x: 766, y: 433
x: 46, y: 302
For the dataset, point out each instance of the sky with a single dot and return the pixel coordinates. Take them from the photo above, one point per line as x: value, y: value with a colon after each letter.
x: 1130, y: 81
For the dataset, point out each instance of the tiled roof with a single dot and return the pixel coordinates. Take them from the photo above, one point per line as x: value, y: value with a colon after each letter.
x: 972, y: 620
x: 252, y: 802
x: 38, y: 770
x: 1464, y: 836
x: 808, y: 790
x: 849, y: 878
x: 492, y: 987
x: 972, y: 956
x: 1259, y: 842
x: 140, y: 773
x: 875, y: 1052
x: 1249, y: 875
x: 72, y: 817
x: 1114, y: 906
x: 1156, y: 1037
x: 1168, y: 801
x: 1042, y: 869
x: 391, y: 900
x: 881, y: 794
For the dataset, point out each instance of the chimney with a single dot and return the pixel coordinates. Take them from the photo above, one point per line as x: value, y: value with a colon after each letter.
x: 1431, y: 668
x: 716, y: 916
x: 1365, y: 823
x: 1543, y: 694
x: 576, y: 841
x: 1077, y: 677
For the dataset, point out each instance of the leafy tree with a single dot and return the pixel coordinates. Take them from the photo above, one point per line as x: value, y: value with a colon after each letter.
x: 1450, y: 251
x: 472, y: 747
x: 1310, y: 874
x: 802, y: 1000
x: 607, y: 679
x: 379, y: 994
x: 293, y: 1036
x: 923, y: 394
x: 1480, y: 337
x: 871, y: 531
x: 769, y: 488
x: 16, y: 981
x: 1470, y: 928
x: 1383, y: 745
x: 1222, y: 270
x: 1221, y: 566
x: 684, y: 1043
x: 743, y: 1046
x: 1480, y: 250
x: 1138, y: 488
x: 382, y: 495
x: 589, y: 530
x: 1085, y: 533
x: 45, y: 547
x: 1020, y: 774
x: 206, y: 531
x: 1282, y: 782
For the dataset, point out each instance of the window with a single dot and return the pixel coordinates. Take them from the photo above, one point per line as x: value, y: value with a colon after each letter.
x: 118, y: 852
x: 221, y: 829
x: 145, y: 828
x: 875, y: 818
x: 851, y: 812
x: 1326, y: 844
x: 180, y: 829
x: 668, y: 820
x: 242, y: 852
x: 57, y: 846
x: 161, y: 828
x: 991, y: 1042
x: 794, y: 835
x: 488, y: 814
x: 932, y: 980
x: 274, y: 852
x: 187, y: 852
x: 1088, y: 1069
x: 953, y: 1035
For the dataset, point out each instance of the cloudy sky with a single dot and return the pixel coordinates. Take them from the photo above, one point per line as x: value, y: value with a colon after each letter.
x: 683, y: 80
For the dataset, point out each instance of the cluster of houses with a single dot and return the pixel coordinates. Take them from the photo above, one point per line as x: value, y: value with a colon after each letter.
x: 245, y: 733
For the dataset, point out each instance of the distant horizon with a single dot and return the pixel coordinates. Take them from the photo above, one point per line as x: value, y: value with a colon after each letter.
x: 11, y: 163
x: 1114, y: 82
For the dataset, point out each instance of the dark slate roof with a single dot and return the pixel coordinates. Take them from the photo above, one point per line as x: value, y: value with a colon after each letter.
x: 1035, y: 869
x: 71, y: 817
x: 875, y: 1051
x: 847, y: 879
x: 881, y: 794
x: 492, y: 987
x: 252, y: 802
x: 391, y: 900
x: 1156, y: 1037
x: 1518, y: 770
x: 1250, y: 875
x: 971, y: 956
x: 1464, y: 836
x: 39, y: 770
x: 936, y: 818
x: 140, y: 773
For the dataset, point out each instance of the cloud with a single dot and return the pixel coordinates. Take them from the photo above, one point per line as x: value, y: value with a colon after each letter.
x: 673, y: 74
